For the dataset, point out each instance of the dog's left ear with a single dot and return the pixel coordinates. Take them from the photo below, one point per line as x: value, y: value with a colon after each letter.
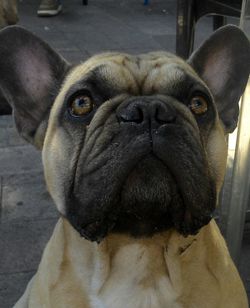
x: 31, y: 73
x: 223, y: 62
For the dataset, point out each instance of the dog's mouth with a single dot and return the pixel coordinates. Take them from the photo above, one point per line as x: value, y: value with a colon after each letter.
x: 140, y: 180
x: 149, y: 202
x: 147, y: 198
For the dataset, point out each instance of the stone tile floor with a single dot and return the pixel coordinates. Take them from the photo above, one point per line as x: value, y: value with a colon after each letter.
x: 27, y: 213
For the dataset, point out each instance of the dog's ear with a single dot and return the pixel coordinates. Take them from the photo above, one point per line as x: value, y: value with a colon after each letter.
x: 30, y: 77
x: 223, y: 62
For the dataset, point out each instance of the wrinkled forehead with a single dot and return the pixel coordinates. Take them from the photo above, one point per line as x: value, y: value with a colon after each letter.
x: 145, y: 74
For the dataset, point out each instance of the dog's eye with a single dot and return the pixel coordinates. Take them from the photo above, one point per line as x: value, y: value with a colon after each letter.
x: 81, y: 105
x: 198, y: 105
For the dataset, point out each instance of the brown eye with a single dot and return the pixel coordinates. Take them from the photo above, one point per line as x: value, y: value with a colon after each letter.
x: 81, y: 105
x: 198, y: 105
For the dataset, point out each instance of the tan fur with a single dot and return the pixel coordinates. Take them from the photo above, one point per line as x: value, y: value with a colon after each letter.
x: 121, y: 272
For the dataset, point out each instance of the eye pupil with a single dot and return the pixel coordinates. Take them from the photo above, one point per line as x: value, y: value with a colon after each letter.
x: 197, y: 102
x: 80, y: 102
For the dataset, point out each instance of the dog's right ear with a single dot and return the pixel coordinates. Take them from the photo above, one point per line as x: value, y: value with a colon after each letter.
x: 31, y: 74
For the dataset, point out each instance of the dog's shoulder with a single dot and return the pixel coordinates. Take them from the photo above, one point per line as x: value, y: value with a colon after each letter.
x: 206, y: 260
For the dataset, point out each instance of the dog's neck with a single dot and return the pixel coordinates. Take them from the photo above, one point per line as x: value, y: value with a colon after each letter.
x: 136, y: 273
x: 122, y: 266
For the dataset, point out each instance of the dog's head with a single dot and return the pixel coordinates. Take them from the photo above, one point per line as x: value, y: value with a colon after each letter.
x: 129, y: 143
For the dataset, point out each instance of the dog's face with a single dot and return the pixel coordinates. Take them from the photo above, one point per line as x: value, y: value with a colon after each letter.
x: 131, y: 144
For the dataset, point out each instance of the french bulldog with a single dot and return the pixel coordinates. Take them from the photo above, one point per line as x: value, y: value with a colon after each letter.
x: 134, y: 154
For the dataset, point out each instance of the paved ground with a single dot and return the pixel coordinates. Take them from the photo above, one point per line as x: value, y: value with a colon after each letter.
x: 27, y: 213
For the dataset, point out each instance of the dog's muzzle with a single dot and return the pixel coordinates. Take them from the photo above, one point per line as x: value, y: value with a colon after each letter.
x: 148, y: 173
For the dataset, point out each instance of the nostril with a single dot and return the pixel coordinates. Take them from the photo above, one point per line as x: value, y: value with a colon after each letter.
x: 164, y: 116
x: 139, y: 111
x: 134, y: 115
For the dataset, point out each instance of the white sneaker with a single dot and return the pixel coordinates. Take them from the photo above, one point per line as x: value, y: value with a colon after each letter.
x: 49, y: 8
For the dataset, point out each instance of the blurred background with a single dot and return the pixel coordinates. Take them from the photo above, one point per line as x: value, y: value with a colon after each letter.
x: 77, y: 32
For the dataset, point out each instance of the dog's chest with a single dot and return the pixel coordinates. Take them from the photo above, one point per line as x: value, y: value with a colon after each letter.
x: 137, y: 277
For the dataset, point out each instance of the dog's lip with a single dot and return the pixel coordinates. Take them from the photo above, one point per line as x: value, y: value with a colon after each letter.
x: 196, y: 224
x: 95, y: 230
x: 89, y: 230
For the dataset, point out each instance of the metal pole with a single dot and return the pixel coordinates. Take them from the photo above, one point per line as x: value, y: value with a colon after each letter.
x: 240, y: 184
x: 238, y: 202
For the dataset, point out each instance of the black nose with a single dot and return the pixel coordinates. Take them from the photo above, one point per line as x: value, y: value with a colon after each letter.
x: 146, y: 110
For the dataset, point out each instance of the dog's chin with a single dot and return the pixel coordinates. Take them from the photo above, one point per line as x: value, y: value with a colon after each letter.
x: 149, y: 202
x: 147, y: 198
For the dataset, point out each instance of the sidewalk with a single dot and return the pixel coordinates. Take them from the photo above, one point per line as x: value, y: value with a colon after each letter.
x: 27, y: 212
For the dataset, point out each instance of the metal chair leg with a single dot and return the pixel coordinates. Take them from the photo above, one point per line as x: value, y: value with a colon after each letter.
x: 218, y: 21
x: 185, y: 28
